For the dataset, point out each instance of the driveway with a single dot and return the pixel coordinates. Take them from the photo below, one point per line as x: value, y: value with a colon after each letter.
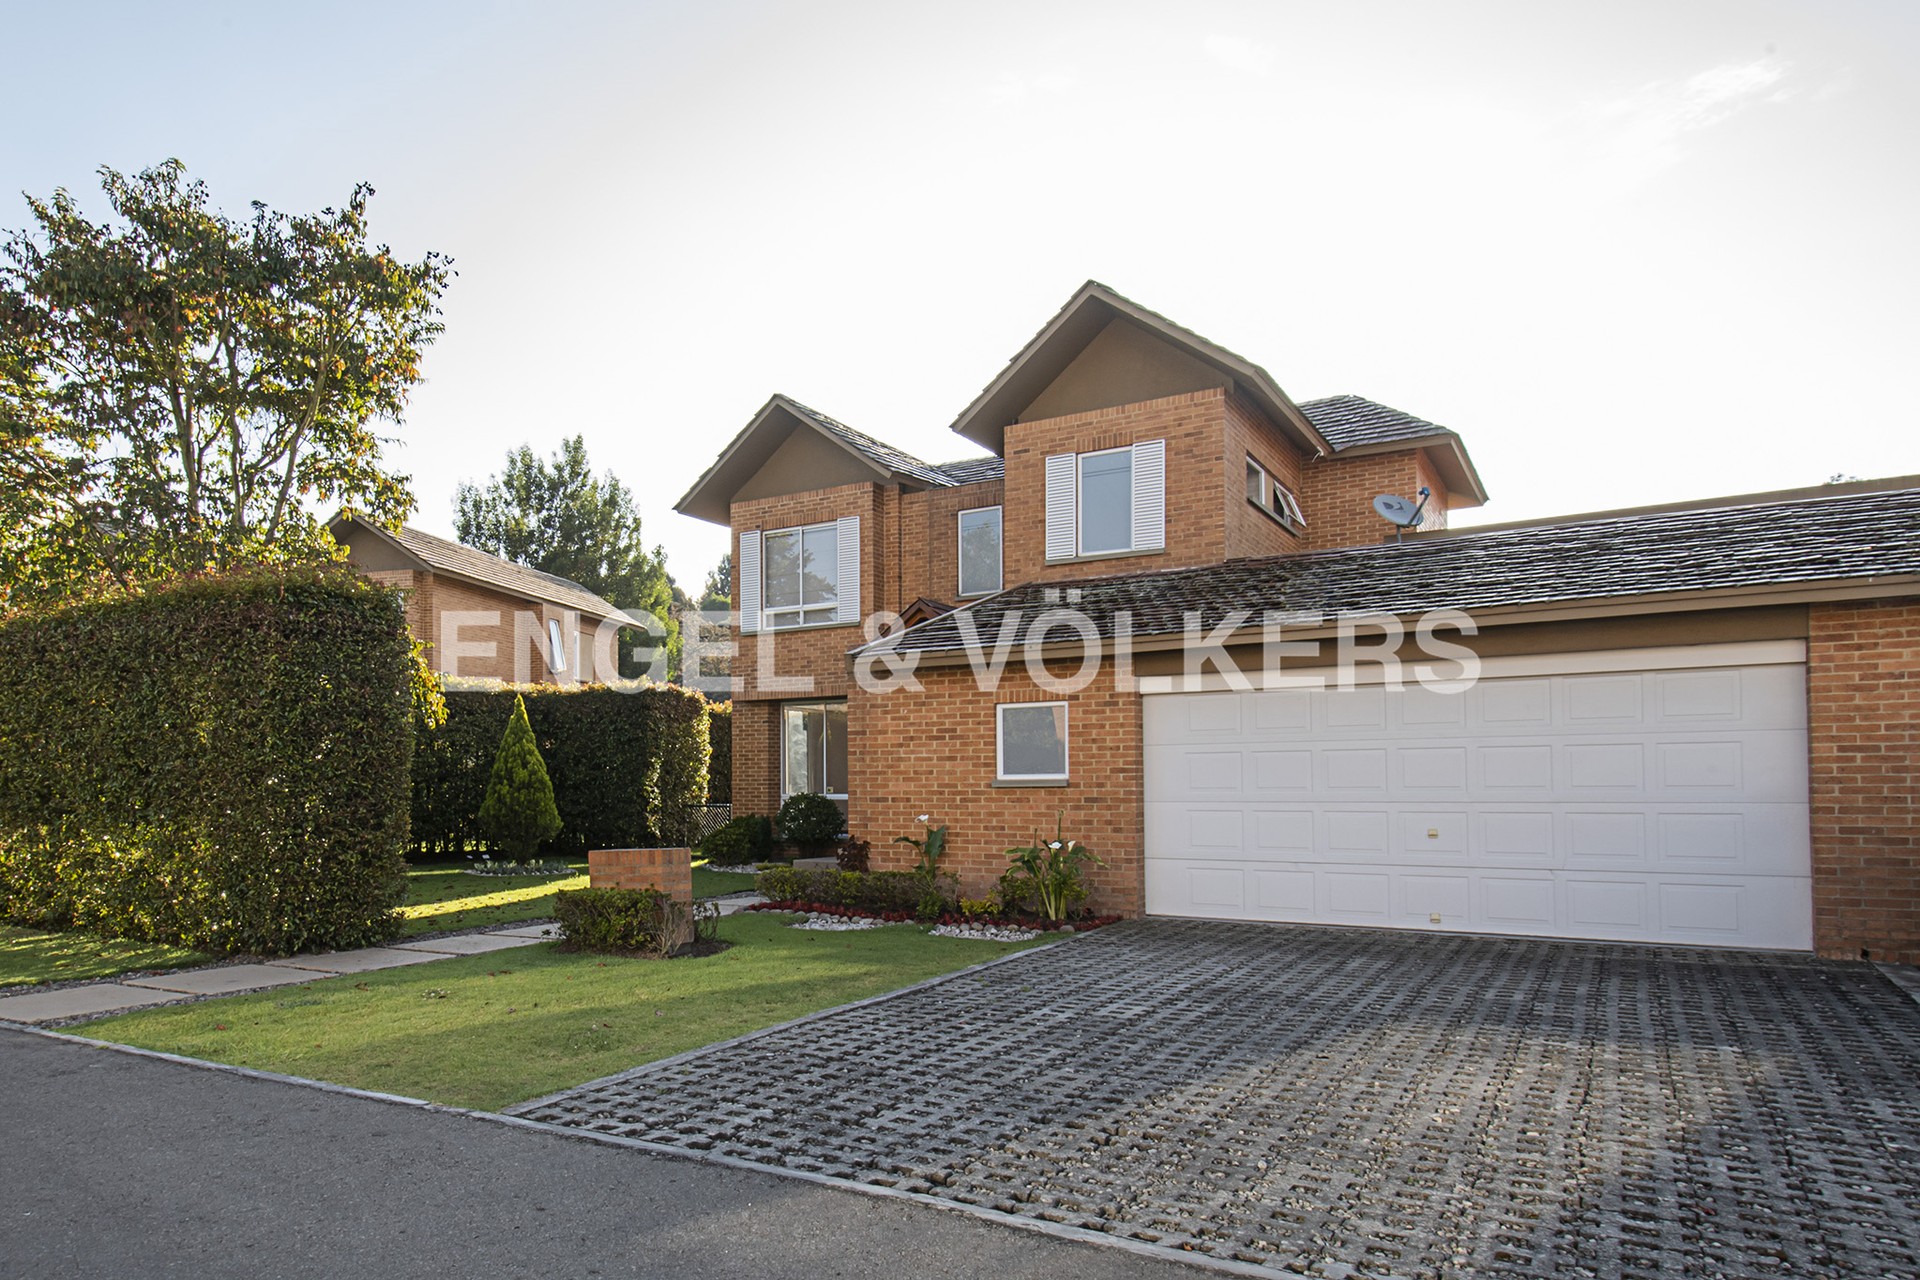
x: 1343, y: 1102
x: 126, y: 1166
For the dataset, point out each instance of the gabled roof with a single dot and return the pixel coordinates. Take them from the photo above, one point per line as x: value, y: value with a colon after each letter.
x: 1090, y: 310
x: 1356, y: 426
x: 711, y: 495
x: 1852, y: 537
x: 456, y: 559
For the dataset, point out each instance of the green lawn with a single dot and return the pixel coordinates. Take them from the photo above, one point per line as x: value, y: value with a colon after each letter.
x: 34, y: 956
x: 442, y: 896
x: 489, y: 1031
x: 711, y: 884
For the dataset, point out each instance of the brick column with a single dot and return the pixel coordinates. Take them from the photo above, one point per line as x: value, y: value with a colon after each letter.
x: 1863, y: 712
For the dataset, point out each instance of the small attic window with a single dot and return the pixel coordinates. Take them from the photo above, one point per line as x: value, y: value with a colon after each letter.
x: 1273, y: 498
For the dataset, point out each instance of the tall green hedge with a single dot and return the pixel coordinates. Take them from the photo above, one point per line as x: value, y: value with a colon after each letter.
x: 221, y: 764
x: 627, y: 765
x: 720, y: 761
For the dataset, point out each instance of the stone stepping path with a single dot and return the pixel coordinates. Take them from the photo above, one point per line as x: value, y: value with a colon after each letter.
x: 99, y: 998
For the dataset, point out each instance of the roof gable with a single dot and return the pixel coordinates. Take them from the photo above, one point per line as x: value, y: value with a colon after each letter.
x: 1040, y: 364
x: 778, y: 420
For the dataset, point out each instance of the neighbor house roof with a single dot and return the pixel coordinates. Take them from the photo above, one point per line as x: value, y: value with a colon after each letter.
x: 1091, y: 309
x: 1850, y: 537
x: 441, y: 555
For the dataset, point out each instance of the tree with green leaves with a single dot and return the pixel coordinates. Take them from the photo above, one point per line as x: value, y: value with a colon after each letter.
x: 718, y: 595
x: 518, y: 812
x: 181, y: 390
x: 557, y: 516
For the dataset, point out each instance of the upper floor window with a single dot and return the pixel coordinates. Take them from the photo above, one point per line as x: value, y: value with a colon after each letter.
x: 806, y: 576
x: 1108, y: 502
x: 801, y: 572
x: 1266, y: 492
x: 980, y: 551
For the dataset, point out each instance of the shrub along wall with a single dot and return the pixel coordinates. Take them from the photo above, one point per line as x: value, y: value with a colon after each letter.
x: 221, y: 764
x: 720, y: 759
x: 627, y: 766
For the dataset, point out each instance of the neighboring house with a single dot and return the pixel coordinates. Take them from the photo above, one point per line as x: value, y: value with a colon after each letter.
x: 1696, y: 723
x: 484, y: 617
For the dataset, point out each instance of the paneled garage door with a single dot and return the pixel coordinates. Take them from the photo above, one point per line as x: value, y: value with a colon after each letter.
x: 1664, y: 803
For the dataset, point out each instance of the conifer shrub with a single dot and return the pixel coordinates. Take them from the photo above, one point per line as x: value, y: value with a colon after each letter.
x: 518, y: 813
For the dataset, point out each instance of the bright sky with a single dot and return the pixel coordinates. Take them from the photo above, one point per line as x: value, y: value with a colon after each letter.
x: 1633, y: 251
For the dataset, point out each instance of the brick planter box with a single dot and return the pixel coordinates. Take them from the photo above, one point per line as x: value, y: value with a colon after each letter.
x: 668, y: 870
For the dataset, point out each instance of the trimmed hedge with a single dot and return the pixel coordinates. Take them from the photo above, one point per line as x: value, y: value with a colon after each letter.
x: 720, y: 761
x: 620, y: 920
x: 876, y: 891
x: 627, y: 765
x: 218, y: 764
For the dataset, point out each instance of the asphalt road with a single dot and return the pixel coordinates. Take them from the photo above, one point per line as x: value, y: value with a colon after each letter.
x: 113, y: 1165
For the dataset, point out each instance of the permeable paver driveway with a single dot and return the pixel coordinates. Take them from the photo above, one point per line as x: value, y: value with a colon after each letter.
x: 1343, y: 1102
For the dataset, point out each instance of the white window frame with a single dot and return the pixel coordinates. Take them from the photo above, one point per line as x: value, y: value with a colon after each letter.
x: 960, y: 552
x: 1000, y: 743
x: 1080, y: 503
x: 799, y: 612
x: 556, y: 648
x: 1273, y: 498
x: 820, y: 704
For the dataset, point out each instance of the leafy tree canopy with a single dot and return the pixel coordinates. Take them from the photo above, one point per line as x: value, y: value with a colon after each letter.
x: 182, y: 390
x: 557, y: 516
x: 718, y: 594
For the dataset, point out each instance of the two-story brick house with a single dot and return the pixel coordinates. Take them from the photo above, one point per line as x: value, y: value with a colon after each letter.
x: 1693, y: 724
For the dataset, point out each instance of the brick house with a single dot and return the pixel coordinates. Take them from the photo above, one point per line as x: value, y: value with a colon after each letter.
x: 487, y: 618
x: 1697, y: 723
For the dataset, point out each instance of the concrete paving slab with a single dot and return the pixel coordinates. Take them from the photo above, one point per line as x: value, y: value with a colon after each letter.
x: 468, y: 944
x: 538, y: 932
x: 79, y: 1002
x: 225, y: 980
x: 732, y: 906
x: 364, y: 960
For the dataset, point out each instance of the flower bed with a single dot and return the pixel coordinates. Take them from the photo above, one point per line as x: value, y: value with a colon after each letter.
x: 947, y: 919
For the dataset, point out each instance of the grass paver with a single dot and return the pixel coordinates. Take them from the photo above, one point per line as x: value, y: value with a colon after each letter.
x: 490, y: 1030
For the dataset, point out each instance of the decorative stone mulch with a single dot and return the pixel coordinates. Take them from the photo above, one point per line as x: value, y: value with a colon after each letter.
x: 836, y: 924
x: 1348, y: 1103
x: 983, y: 932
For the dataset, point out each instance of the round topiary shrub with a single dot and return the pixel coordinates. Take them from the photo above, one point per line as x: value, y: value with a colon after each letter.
x: 747, y: 838
x: 810, y: 821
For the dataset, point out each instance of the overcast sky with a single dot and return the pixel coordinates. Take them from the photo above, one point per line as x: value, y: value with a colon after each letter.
x: 1633, y: 252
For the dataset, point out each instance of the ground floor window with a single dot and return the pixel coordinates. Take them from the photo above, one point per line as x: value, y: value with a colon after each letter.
x: 813, y: 737
x: 1032, y: 741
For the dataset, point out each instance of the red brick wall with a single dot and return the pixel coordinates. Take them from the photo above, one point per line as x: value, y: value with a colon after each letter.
x: 1250, y: 531
x: 933, y: 753
x: 756, y: 758
x: 929, y: 539
x: 1863, y: 703
x: 1338, y: 494
x: 668, y: 870
x: 1194, y: 427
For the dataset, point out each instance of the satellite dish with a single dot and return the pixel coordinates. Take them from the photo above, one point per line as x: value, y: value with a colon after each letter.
x: 1396, y: 510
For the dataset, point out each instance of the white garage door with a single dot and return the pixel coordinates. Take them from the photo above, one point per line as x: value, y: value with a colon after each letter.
x: 1664, y: 803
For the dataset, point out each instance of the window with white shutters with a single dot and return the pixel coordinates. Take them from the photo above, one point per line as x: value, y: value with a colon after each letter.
x: 1109, y: 502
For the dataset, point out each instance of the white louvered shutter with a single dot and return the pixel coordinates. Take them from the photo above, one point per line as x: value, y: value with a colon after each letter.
x: 1063, y: 478
x: 750, y: 581
x: 847, y: 529
x: 1150, y: 495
